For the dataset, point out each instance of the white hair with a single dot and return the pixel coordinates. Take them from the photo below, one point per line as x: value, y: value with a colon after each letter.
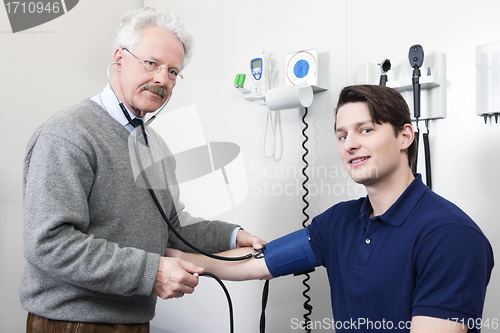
x: 133, y: 22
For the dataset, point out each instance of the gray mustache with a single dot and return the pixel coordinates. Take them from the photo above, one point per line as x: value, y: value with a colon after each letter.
x: 162, y: 91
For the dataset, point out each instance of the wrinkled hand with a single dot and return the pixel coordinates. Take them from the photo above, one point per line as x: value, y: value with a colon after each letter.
x: 245, y: 239
x: 175, y: 278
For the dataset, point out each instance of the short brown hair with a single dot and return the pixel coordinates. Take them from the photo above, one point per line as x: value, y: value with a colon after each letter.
x: 386, y: 105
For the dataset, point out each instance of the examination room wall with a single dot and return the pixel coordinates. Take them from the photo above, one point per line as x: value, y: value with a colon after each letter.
x: 61, y: 62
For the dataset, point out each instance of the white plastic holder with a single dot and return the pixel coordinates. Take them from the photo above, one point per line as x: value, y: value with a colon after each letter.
x: 255, y: 91
x: 488, y: 79
x: 291, y: 97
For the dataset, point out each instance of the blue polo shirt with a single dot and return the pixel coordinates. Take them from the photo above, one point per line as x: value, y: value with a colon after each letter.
x: 422, y: 257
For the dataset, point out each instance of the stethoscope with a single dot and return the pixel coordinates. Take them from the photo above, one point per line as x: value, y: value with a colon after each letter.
x: 257, y: 253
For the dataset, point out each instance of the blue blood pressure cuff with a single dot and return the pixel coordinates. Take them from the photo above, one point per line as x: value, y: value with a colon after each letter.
x: 290, y: 254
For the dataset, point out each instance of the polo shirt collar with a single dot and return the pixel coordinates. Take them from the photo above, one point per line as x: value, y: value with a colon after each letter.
x: 400, y: 210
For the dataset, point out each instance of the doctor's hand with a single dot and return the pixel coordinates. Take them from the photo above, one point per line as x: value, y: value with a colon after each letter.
x: 245, y: 239
x: 175, y: 278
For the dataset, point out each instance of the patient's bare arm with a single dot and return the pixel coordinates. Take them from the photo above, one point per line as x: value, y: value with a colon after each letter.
x: 249, y: 269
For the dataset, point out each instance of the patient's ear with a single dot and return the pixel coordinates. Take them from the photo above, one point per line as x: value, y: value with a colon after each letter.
x: 407, y: 136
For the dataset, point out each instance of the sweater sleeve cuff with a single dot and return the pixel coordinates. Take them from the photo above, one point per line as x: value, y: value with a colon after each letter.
x: 152, y: 263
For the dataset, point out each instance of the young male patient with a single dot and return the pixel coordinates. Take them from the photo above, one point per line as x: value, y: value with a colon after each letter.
x: 403, y: 256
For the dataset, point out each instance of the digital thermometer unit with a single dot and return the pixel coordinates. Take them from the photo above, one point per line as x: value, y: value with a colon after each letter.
x: 257, y: 67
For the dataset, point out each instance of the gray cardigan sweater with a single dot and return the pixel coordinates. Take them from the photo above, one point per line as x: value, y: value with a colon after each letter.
x: 92, y: 233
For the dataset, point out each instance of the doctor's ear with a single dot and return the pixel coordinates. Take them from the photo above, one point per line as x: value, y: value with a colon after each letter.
x: 117, y: 57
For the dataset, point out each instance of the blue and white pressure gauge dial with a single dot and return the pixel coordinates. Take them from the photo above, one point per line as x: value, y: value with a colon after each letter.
x: 301, y: 67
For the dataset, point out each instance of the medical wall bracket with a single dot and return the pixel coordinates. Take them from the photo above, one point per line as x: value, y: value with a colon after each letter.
x: 432, y: 83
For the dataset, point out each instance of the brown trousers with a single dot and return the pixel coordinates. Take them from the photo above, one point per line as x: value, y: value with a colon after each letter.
x: 36, y: 324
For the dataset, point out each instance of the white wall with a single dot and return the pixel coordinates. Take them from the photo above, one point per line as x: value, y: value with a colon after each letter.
x: 76, y: 48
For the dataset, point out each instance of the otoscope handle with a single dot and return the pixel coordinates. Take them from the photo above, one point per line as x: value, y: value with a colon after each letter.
x: 383, y: 79
x: 416, y: 93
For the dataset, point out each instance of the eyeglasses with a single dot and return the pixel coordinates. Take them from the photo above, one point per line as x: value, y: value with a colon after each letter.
x: 153, y: 68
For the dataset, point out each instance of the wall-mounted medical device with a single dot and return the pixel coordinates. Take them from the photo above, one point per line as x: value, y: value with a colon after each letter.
x: 432, y: 82
x: 256, y: 87
x: 421, y: 82
x: 302, y: 81
x: 385, y: 66
x: 259, y: 74
x: 301, y: 67
x: 488, y: 80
